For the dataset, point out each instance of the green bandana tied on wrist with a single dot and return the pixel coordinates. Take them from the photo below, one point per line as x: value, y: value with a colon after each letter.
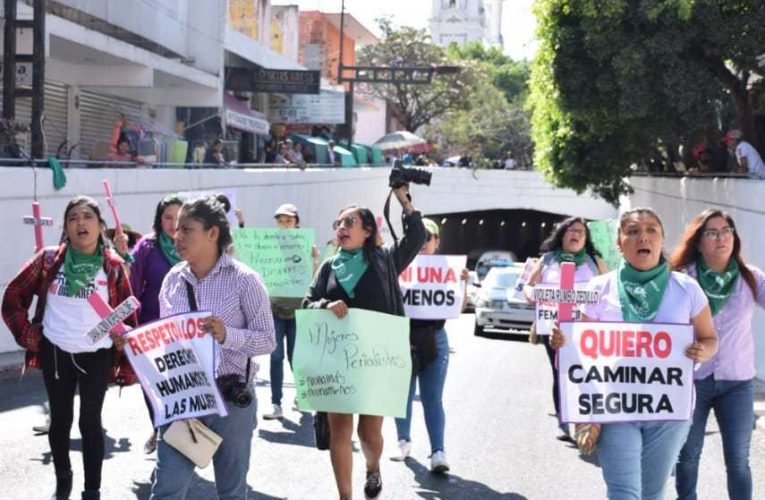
x: 577, y: 258
x: 80, y: 268
x: 717, y: 286
x: 641, y: 292
x: 167, y: 246
x: 348, y: 267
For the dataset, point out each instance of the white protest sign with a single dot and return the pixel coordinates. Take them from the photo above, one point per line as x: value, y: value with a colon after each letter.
x: 523, y: 280
x: 625, y: 372
x: 549, y: 298
x: 432, y: 287
x: 114, y: 318
x: 174, y: 361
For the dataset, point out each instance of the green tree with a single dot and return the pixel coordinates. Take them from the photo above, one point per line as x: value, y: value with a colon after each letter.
x: 414, y: 105
x: 615, y: 81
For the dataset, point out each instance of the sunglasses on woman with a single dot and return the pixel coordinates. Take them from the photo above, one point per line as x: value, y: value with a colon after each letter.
x: 348, y: 222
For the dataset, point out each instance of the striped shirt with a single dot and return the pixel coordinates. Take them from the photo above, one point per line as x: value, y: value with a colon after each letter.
x: 236, y: 294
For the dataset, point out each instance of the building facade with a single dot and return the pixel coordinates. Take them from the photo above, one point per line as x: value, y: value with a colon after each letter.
x: 462, y: 21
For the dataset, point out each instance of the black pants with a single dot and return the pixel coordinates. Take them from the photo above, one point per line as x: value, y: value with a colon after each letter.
x: 62, y: 379
x: 551, y: 357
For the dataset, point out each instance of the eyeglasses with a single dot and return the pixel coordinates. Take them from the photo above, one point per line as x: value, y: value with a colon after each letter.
x: 348, y: 222
x: 577, y: 231
x: 716, y: 234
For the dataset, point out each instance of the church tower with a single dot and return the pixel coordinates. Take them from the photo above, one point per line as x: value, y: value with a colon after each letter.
x: 463, y: 21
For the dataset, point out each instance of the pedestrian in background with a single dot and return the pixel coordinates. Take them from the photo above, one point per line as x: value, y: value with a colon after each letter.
x: 363, y: 275
x: 710, y: 252
x: 55, y: 339
x: 637, y: 457
x: 747, y: 157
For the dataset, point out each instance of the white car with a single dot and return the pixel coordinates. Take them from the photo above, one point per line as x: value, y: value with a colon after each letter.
x: 496, y: 307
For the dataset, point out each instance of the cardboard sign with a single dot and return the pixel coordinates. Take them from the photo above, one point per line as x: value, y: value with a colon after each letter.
x: 175, y: 363
x: 360, y: 364
x: 625, y: 372
x: 113, y: 319
x: 282, y: 257
x: 432, y: 287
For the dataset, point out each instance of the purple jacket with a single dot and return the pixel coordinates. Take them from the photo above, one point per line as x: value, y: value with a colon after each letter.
x: 146, y: 275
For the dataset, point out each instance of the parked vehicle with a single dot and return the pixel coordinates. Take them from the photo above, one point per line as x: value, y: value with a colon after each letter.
x: 493, y: 258
x: 495, y: 306
x: 471, y: 291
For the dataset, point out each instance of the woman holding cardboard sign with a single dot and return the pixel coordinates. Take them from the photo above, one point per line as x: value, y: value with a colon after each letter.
x: 209, y: 279
x: 638, y: 457
x: 710, y: 251
x: 363, y: 275
x: 55, y: 340
x: 570, y: 242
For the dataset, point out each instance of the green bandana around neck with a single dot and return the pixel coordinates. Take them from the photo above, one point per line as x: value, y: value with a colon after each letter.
x: 349, y: 266
x: 80, y: 268
x: 577, y: 258
x: 641, y: 292
x: 717, y: 286
x: 167, y: 245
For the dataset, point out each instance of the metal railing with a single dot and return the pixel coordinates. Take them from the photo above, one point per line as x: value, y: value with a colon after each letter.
x: 93, y: 164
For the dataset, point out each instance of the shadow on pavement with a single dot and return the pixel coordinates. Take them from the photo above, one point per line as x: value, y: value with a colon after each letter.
x: 19, y: 392
x: 111, y: 446
x: 199, y: 489
x: 299, y: 434
x: 451, y: 487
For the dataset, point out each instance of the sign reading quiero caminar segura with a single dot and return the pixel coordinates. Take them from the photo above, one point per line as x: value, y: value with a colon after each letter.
x: 175, y: 363
x: 359, y: 364
x: 282, y: 257
x: 625, y: 372
x: 432, y: 287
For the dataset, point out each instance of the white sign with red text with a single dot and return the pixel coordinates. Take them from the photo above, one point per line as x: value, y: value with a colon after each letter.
x: 175, y: 363
x: 432, y: 286
x: 625, y: 372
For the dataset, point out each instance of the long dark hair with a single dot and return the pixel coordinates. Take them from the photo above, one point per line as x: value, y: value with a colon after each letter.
x: 209, y: 211
x: 369, y: 223
x: 86, y: 201
x: 171, y: 199
x: 687, y: 252
x: 555, y: 240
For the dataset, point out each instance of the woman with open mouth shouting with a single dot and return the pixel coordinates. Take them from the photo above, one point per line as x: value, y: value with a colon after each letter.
x: 637, y: 457
x: 55, y: 339
x: 363, y: 275
x: 710, y: 251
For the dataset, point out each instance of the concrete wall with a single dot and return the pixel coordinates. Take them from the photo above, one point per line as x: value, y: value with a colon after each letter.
x: 679, y: 200
x: 319, y: 195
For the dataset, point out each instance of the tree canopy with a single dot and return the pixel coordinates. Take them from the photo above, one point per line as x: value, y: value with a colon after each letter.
x: 614, y: 81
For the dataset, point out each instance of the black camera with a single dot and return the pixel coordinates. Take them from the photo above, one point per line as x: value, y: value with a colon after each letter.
x: 235, y: 390
x: 401, y: 175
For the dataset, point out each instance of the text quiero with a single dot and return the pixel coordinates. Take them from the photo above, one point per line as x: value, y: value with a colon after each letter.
x: 625, y: 343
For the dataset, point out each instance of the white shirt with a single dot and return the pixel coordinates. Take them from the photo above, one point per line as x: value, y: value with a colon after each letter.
x: 683, y: 300
x: 753, y: 158
x: 67, y: 319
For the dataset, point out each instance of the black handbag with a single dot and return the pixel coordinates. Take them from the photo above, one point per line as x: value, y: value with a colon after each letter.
x: 321, y: 430
x: 424, y: 347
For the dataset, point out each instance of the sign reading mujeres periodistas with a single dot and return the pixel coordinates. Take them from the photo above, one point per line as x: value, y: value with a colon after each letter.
x: 432, y: 286
x: 282, y: 257
x: 175, y: 363
x: 625, y: 372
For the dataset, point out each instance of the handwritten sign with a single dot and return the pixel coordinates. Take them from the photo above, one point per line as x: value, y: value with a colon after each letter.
x: 113, y: 319
x: 359, y: 364
x: 625, y: 372
x: 282, y: 257
x: 548, y: 311
x: 38, y: 221
x: 432, y: 287
x: 523, y: 279
x: 174, y: 361
x: 603, y: 234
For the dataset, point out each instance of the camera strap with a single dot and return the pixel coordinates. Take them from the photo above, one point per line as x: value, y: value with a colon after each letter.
x: 193, y: 307
x: 386, y: 214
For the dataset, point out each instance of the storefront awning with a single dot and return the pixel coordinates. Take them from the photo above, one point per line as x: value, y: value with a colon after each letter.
x: 237, y: 115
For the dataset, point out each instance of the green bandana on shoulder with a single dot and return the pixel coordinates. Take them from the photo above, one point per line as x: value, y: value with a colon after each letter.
x: 577, y: 258
x: 641, y: 292
x: 717, y: 286
x: 80, y: 268
x: 348, y: 268
x: 167, y: 245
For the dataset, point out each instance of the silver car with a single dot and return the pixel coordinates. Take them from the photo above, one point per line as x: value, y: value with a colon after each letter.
x: 497, y: 307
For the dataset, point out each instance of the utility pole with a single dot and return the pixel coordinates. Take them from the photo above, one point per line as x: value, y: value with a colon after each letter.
x: 37, y: 58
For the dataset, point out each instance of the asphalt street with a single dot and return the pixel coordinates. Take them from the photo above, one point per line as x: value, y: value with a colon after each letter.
x: 499, y: 439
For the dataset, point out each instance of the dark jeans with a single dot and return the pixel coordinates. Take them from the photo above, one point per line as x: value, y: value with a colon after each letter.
x: 62, y: 379
x: 551, y: 356
x: 733, y: 403
x: 284, y: 330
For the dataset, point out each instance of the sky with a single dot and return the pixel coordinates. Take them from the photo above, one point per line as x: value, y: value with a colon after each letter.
x: 518, y: 22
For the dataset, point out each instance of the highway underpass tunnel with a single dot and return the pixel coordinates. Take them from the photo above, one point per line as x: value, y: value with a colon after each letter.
x: 472, y: 233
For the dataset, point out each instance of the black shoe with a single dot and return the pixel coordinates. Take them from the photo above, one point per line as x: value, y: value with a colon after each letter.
x: 63, y: 486
x: 373, y: 486
x: 91, y: 495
